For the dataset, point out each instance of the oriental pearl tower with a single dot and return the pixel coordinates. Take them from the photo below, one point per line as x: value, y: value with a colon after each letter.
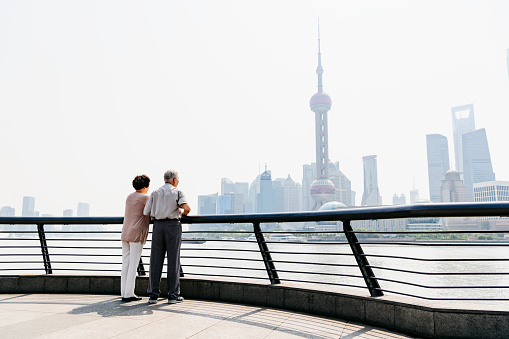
x: 322, y: 189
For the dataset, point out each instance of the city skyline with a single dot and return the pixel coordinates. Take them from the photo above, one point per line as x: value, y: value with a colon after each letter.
x: 92, y: 94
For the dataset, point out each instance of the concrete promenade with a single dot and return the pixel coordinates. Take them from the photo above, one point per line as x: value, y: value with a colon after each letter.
x: 106, y: 316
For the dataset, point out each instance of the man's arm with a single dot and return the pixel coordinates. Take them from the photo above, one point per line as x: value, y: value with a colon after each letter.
x: 186, y: 208
x: 148, y: 206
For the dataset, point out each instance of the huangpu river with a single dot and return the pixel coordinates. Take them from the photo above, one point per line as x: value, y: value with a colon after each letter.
x: 103, y: 256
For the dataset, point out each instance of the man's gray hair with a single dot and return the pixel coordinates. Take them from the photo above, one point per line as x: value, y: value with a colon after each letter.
x: 169, y: 175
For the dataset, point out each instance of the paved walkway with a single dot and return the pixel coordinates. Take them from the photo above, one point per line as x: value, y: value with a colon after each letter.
x: 105, y: 316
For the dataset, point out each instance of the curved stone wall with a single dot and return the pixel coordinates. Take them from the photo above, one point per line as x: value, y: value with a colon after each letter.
x: 405, y: 315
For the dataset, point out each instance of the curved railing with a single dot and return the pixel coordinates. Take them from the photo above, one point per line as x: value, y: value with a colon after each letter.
x: 432, y: 265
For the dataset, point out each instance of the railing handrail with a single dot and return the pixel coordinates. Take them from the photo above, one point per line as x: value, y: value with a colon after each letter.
x: 479, y: 209
x: 345, y: 215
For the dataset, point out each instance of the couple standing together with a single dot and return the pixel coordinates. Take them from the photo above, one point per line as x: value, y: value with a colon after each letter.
x: 165, y: 206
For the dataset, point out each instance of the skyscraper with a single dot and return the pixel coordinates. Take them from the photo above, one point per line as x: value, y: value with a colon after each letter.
x: 476, y: 160
x: 452, y: 189
x: 462, y: 122
x: 438, y: 163
x: 414, y: 195
x: 7, y: 211
x: 83, y: 209
x: 491, y: 191
x: 343, y: 185
x: 291, y: 195
x: 67, y: 213
x: 238, y: 192
x: 371, y: 195
x: 267, y: 196
x: 207, y: 204
x: 224, y: 204
x: 399, y: 199
x: 28, y: 207
x: 307, y: 179
x: 322, y: 189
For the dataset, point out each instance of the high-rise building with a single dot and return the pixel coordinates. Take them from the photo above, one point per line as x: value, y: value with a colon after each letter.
x: 28, y: 207
x: 322, y: 189
x: 491, y: 191
x: 343, y: 193
x: 371, y: 195
x: 399, y: 199
x: 438, y: 163
x: 476, y: 160
x: 224, y: 204
x: 83, y: 209
x: 452, y: 189
x: 414, y: 195
x: 7, y: 211
x: 267, y: 196
x: 254, y: 192
x: 239, y: 193
x: 207, y: 204
x: 289, y: 198
x: 462, y: 122
x: 308, y: 176
x: 67, y: 213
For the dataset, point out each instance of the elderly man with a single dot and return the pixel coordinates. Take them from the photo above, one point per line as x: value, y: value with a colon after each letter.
x: 164, y: 207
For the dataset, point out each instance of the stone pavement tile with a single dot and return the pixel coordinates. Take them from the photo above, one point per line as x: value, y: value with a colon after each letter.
x: 9, y: 296
x: 293, y: 335
x: 48, y: 324
x: 14, y: 317
x: 175, y: 327
x: 227, y: 329
x: 262, y: 317
x: 110, y: 307
x: 141, y: 310
x: 220, y: 310
x: 99, y: 328
x: 49, y: 303
x: 26, y: 305
x: 313, y: 326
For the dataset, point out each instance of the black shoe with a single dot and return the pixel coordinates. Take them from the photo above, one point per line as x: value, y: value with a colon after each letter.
x: 152, y: 299
x: 131, y: 299
x: 175, y: 299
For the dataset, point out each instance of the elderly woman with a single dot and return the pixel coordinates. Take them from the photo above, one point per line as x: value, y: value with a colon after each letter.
x: 134, y: 236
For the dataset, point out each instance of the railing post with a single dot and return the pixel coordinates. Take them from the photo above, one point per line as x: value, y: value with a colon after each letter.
x: 141, y: 268
x: 362, y: 261
x: 267, y: 258
x: 44, y: 249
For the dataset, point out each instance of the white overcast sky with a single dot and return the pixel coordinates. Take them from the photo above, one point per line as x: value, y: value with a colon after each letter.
x: 93, y: 93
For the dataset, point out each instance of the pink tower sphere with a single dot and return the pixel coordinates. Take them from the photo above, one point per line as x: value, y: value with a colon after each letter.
x: 320, y: 98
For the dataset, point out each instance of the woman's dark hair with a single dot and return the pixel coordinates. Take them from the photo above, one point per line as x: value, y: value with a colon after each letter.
x: 141, y: 181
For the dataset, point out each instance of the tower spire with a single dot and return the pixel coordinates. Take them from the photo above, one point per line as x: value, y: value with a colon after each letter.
x: 319, y: 69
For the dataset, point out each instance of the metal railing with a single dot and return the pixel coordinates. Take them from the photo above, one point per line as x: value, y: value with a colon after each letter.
x: 397, y: 262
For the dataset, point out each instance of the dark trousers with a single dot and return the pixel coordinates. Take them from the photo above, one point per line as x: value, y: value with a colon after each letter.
x: 166, y: 239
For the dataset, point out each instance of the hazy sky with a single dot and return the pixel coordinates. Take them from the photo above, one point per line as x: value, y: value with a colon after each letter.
x: 93, y: 93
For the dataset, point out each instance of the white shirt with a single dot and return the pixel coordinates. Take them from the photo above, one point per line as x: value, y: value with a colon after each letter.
x: 165, y: 203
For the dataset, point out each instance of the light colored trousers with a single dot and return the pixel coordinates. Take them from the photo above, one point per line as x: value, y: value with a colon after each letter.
x: 131, y: 253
